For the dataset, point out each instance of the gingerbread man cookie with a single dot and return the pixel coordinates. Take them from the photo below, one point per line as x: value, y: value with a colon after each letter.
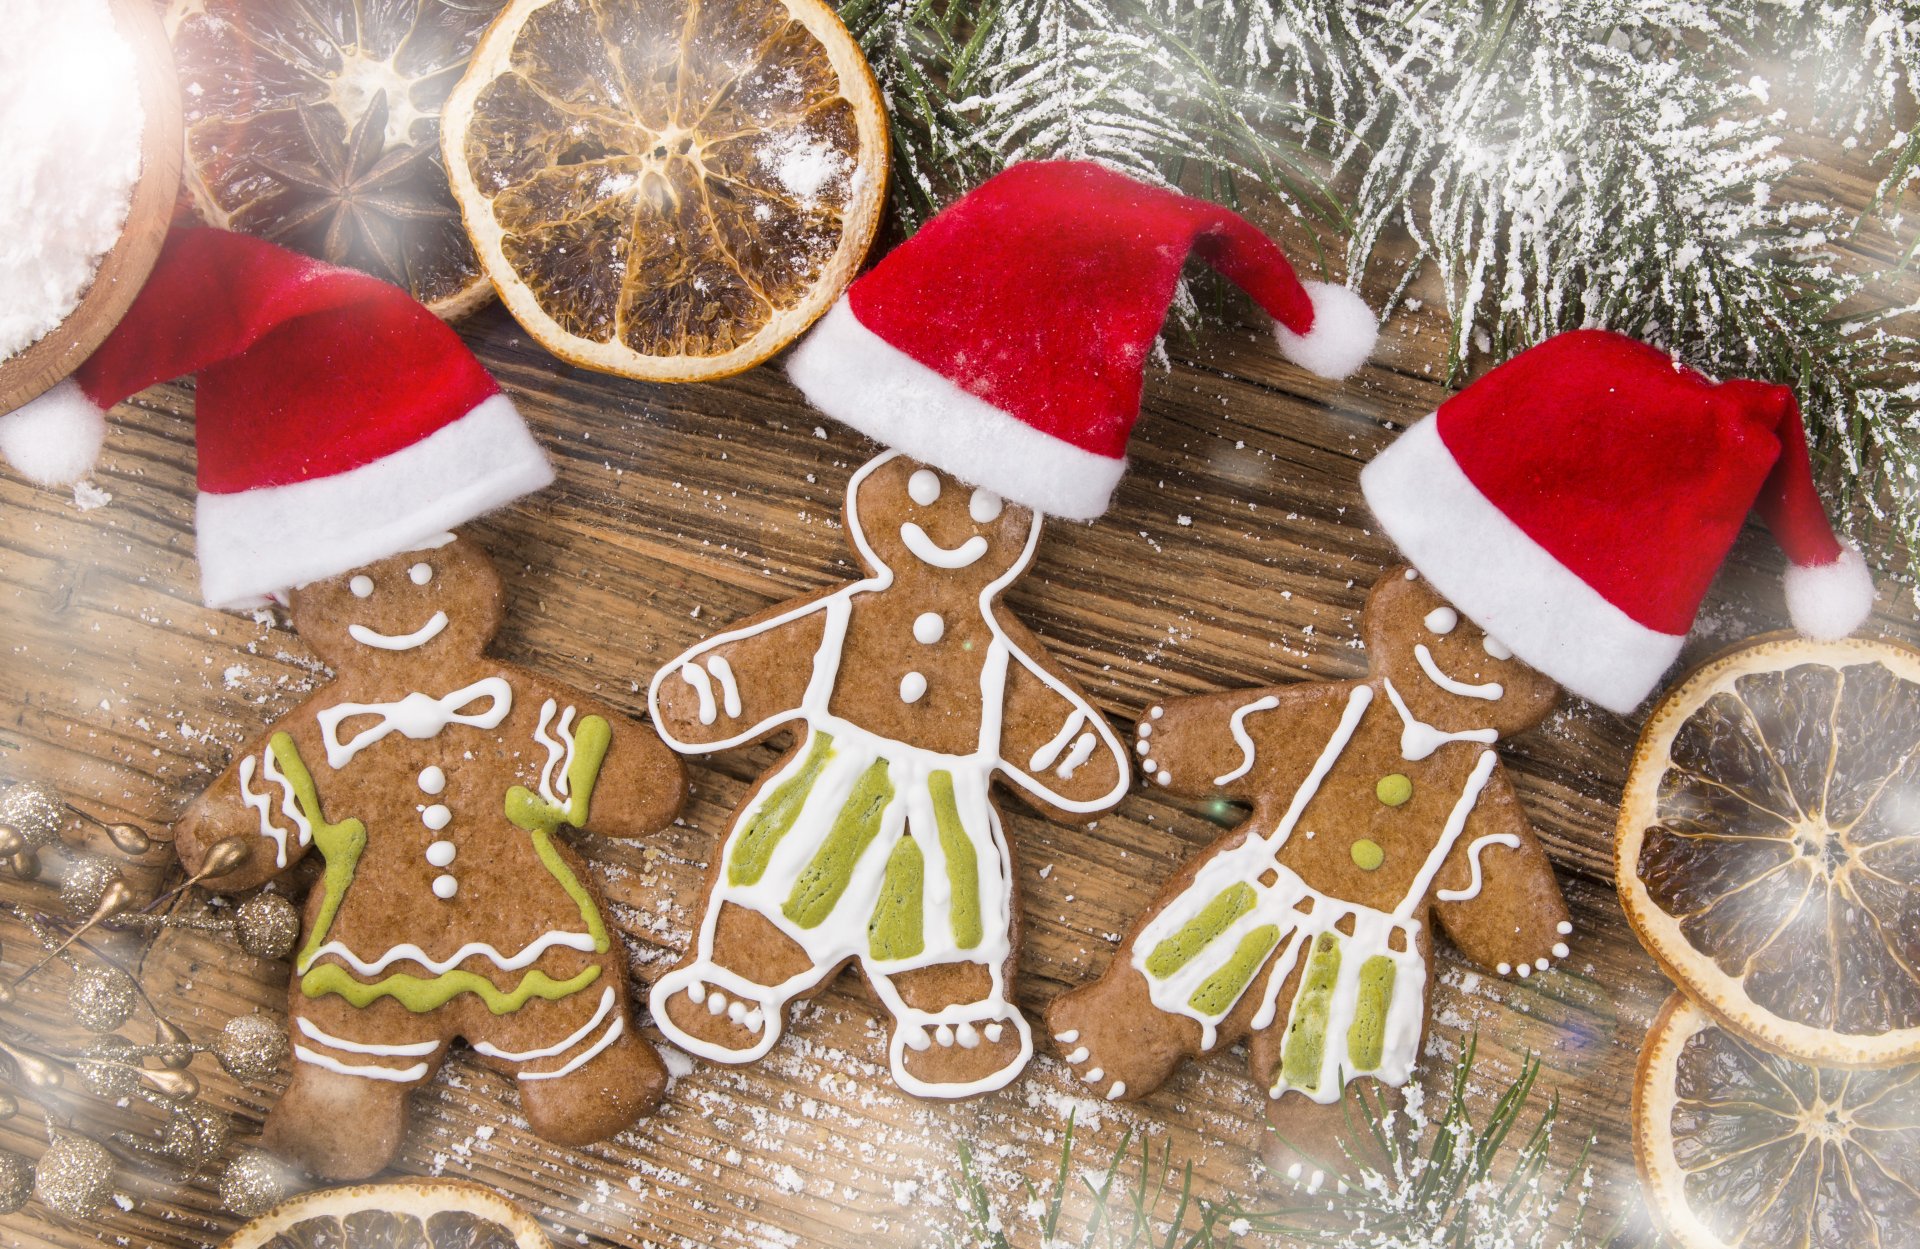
x: 1379, y: 808
x: 874, y: 840
x: 436, y: 783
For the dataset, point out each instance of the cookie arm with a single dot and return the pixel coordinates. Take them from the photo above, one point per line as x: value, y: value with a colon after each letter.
x: 743, y: 684
x: 1229, y: 744
x: 638, y: 786
x: 1056, y: 749
x: 246, y: 802
x: 1496, y: 897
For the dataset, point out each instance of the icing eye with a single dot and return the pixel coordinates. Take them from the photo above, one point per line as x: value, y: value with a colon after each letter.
x: 1442, y: 620
x: 924, y: 486
x: 984, y: 506
x: 420, y: 573
x: 1495, y: 647
x: 362, y: 586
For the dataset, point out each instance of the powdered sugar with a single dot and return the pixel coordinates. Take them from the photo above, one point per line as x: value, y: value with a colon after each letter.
x: 806, y: 168
x: 70, y: 123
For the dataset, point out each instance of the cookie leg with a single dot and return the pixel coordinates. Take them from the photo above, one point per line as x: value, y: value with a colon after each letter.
x: 957, y: 1036
x: 1114, y: 1038
x: 338, y: 1127
x: 602, y: 1097
x: 729, y: 1005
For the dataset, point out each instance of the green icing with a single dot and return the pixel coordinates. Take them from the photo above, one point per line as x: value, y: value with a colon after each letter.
x: 1223, y: 988
x: 897, y: 929
x: 530, y: 811
x: 1306, y: 1041
x: 420, y: 994
x: 1178, y: 950
x: 776, y: 815
x: 589, y: 913
x: 963, y: 867
x: 1393, y: 789
x: 340, y: 844
x: 1367, y: 855
x: 1366, y: 1039
x: 819, y: 888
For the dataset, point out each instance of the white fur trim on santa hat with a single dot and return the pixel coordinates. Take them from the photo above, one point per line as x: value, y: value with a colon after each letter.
x: 1341, y: 338
x: 54, y: 438
x: 858, y: 378
x: 1507, y: 583
x: 259, y: 542
x: 1829, y: 601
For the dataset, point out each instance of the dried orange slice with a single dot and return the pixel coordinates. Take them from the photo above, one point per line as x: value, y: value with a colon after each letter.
x: 410, y: 1214
x: 668, y: 189
x: 315, y: 123
x: 1739, y: 1147
x: 1768, y: 849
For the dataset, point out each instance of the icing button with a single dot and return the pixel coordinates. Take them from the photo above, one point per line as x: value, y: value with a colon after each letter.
x: 441, y: 853
x: 928, y: 628
x: 1367, y: 855
x: 1560, y: 949
x: 913, y: 687
x: 432, y: 780
x: 436, y: 817
x: 445, y: 887
x: 1393, y: 789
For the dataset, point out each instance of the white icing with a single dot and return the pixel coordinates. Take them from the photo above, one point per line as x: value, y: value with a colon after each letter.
x: 437, y: 816
x: 410, y: 1049
x: 843, y: 935
x: 927, y: 551
x: 928, y: 628
x: 444, y: 887
x: 420, y: 573
x: 585, y: 1056
x: 417, y: 716
x: 1560, y: 949
x: 924, y: 487
x: 696, y: 676
x: 1078, y: 1056
x: 1419, y: 739
x: 1118, y: 1091
x: 432, y: 780
x: 1068, y: 1037
x: 555, y: 779
x: 397, y: 1075
x: 361, y: 586
x: 289, y: 804
x: 1043, y: 758
x: 1238, y: 726
x: 913, y: 687
x: 1564, y: 928
x: 985, y: 506
x: 400, y: 642
x: 1441, y: 620
x: 441, y: 853
x: 1495, y: 647
x: 1144, y: 729
x: 1474, y: 850
x: 729, y: 691
x: 1082, y: 751
x: 1491, y: 691
x: 559, y: 1047
x: 1094, y: 1075
x: 1412, y: 575
x: 407, y: 952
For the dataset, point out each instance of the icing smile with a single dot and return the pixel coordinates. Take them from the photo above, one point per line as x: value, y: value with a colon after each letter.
x: 927, y: 551
x: 1491, y: 691
x: 402, y: 641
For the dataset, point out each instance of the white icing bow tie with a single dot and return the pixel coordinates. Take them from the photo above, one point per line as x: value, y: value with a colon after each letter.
x: 418, y: 716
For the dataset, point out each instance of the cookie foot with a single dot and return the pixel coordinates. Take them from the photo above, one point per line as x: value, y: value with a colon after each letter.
x: 337, y: 1127
x: 714, y: 1013
x: 961, y: 1051
x: 1114, y: 1039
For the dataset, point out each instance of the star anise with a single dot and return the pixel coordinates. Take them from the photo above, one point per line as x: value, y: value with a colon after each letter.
x: 357, y: 187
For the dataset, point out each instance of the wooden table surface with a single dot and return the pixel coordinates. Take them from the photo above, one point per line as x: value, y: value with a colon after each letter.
x: 1237, y: 552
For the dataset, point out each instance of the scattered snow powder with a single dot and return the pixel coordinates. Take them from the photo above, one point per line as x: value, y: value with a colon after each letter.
x: 804, y: 167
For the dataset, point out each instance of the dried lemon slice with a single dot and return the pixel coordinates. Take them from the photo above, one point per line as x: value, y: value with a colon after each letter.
x: 1737, y: 1146
x: 409, y: 1214
x: 664, y: 189
x: 314, y: 123
x: 1768, y: 849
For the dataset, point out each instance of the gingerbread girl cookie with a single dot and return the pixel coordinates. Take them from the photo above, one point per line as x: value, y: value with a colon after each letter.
x: 436, y: 783
x: 874, y: 840
x: 1379, y: 809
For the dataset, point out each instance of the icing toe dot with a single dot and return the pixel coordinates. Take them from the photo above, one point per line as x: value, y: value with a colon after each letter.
x: 696, y: 993
x: 1157, y: 712
x: 1145, y: 729
x: 716, y: 1002
x: 1541, y: 964
x: 1065, y: 1038
x: 913, y: 687
x: 968, y: 1036
x: 1078, y: 1056
x: 1118, y: 1091
x: 1165, y: 777
x: 993, y: 1031
x: 1565, y: 929
x: 445, y: 887
x: 944, y: 1034
x: 1560, y: 949
x: 1093, y: 1075
x: 1505, y: 969
x: 1525, y: 969
x: 928, y: 628
x: 1144, y: 746
x: 916, y: 1039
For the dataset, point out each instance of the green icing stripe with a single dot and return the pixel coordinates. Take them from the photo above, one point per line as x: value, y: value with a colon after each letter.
x: 897, y: 929
x: 589, y: 913
x: 776, y: 815
x: 1306, y: 1042
x: 819, y: 888
x: 530, y: 811
x: 421, y: 994
x: 1366, y: 1039
x: 1198, y: 933
x: 963, y: 865
x: 340, y: 844
x: 1218, y: 993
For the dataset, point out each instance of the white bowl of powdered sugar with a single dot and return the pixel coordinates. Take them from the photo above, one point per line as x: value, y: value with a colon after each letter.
x: 89, y: 169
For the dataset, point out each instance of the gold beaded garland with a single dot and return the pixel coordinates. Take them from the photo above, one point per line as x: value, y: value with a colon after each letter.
x: 101, y: 998
x: 250, y: 1047
x: 74, y: 1177
x: 16, y: 1181
x: 267, y: 925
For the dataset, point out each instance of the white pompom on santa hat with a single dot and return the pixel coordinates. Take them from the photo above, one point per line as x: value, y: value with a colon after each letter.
x: 1577, y: 502
x: 1006, y: 342
x: 336, y: 420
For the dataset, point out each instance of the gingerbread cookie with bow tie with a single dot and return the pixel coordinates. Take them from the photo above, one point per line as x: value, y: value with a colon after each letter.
x: 439, y: 787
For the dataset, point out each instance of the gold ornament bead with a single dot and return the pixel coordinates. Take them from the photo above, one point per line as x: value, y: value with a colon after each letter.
x: 267, y: 925
x: 196, y: 1134
x: 255, y: 1182
x: 109, y: 1069
x: 35, y: 811
x: 16, y: 1181
x: 128, y: 839
x: 224, y: 856
x: 250, y: 1047
x: 101, y: 998
x: 86, y: 883
x: 25, y: 865
x: 74, y: 1178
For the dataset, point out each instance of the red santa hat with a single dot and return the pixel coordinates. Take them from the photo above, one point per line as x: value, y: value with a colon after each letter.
x: 337, y: 421
x: 1577, y: 501
x: 1006, y: 341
